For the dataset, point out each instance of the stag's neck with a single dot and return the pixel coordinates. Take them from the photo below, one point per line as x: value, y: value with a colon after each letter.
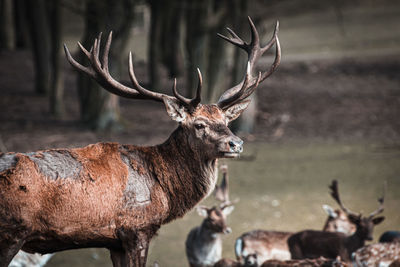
x: 187, y: 176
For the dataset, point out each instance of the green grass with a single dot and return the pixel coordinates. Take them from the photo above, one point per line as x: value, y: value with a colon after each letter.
x: 283, y: 189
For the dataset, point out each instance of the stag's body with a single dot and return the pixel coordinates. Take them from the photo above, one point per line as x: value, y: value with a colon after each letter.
x: 272, y: 245
x: 72, y: 183
x: 117, y: 196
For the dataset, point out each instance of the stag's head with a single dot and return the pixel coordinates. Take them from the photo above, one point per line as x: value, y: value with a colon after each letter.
x: 205, y: 125
x: 364, y: 224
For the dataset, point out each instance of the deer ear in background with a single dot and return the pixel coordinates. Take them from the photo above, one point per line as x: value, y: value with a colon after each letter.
x: 330, y: 211
x: 228, y: 210
x: 202, y: 211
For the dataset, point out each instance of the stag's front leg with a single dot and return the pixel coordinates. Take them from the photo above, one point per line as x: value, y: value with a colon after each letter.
x: 136, y: 245
x: 8, y: 249
x: 118, y: 258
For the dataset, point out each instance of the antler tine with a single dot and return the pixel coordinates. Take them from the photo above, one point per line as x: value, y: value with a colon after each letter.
x: 191, y: 104
x: 74, y: 63
x: 178, y: 96
x: 195, y: 101
x: 381, y: 201
x: 143, y: 91
x: 99, y: 71
x: 255, y: 38
x: 106, y: 51
x: 335, y: 195
x: 246, y: 87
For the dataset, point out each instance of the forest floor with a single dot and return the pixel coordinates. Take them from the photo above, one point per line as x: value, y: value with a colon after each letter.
x: 317, y: 120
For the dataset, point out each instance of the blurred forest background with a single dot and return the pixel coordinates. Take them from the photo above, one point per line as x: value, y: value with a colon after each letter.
x: 330, y: 111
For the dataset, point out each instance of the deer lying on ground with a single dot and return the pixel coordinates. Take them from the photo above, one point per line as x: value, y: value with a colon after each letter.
x: 203, y: 243
x: 379, y: 254
x: 314, y: 244
x: 117, y: 196
x: 390, y: 236
x: 320, y: 262
x: 248, y: 261
x: 269, y: 245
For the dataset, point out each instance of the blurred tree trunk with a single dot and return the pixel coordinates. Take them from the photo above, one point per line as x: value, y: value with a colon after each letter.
x: 172, y: 38
x: 197, y: 43
x: 7, y: 29
x: 21, y: 24
x: 100, y: 109
x: 245, y: 123
x: 39, y: 31
x: 57, y: 55
x: 204, y: 50
x: 155, y: 45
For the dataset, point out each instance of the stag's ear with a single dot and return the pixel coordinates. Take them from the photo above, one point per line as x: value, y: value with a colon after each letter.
x: 330, y: 211
x: 232, y: 113
x: 228, y: 210
x: 202, y: 211
x: 378, y: 220
x: 175, y: 110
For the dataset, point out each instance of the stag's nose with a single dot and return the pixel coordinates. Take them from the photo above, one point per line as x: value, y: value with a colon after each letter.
x: 236, y: 145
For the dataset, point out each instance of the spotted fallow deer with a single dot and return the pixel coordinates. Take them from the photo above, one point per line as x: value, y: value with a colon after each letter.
x: 117, y: 196
x: 272, y: 245
x: 379, y: 254
x: 203, y: 244
x: 314, y: 244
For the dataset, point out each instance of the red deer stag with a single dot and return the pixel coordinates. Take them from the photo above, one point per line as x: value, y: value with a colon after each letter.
x: 272, y: 245
x: 203, y: 243
x: 379, y: 254
x: 117, y: 196
x: 314, y: 244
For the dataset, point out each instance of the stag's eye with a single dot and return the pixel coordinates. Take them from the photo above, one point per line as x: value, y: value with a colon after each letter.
x: 199, y: 125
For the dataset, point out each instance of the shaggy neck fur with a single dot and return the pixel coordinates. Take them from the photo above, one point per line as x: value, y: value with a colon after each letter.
x: 187, y: 175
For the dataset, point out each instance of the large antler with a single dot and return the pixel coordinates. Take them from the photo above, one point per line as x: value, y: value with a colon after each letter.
x: 246, y: 87
x: 380, y: 200
x: 99, y: 72
x: 335, y: 195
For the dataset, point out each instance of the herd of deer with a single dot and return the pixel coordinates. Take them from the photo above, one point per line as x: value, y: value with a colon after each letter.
x: 117, y: 196
x: 340, y: 243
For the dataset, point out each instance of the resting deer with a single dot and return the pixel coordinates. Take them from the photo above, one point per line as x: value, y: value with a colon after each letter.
x: 314, y: 244
x: 272, y: 245
x: 320, y: 262
x: 249, y: 261
x: 379, y: 254
x: 117, y: 196
x: 204, y: 243
x: 390, y: 236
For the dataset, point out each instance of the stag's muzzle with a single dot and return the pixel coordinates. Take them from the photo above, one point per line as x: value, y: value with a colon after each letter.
x: 236, y: 145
